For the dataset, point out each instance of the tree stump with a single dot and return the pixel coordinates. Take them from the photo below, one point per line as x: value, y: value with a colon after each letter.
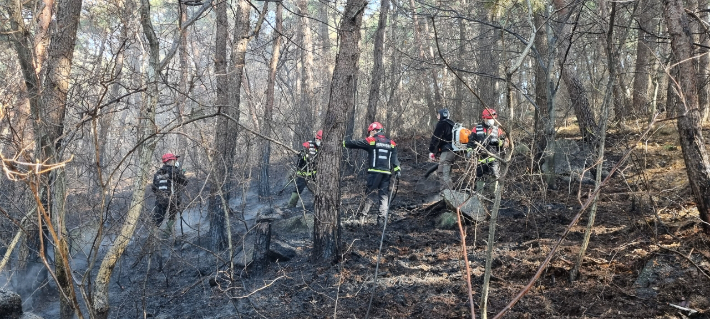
x: 262, y: 241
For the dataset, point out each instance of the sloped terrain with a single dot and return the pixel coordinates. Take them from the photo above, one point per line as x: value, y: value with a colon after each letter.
x: 647, y: 251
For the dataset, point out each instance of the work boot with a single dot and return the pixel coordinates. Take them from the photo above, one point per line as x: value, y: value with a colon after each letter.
x: 365, y: 210
x: 293, y: 200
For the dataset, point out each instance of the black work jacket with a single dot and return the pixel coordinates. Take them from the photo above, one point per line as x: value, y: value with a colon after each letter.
x: 167, y: 180
x: 442, y: 137
x: 492, y: 142
x: 381, y: 151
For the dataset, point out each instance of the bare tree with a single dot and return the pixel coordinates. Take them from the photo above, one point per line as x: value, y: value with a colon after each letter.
x: 575, y: 87
x: 226, y: 132
x: 264, y: 188
x: 326, y: 231
x: 697, y: 162
x: 644, y: 60
x: 378, y: 70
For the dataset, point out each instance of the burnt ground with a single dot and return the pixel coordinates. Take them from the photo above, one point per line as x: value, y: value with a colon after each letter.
x: 646, y: 218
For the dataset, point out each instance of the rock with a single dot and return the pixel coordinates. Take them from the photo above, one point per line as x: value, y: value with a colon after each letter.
x: 659, y: 272
x: 294, y: 226
x: 281, y: 251
x: 10, y: 305
x: 29, y: 315
x: 472, y: 207
x: 446, y: 220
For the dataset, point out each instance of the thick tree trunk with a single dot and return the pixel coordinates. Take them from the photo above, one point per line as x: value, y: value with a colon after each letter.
x: 60, y: 57
x: 264, y: 188
x: 48, y: 109
x: 575, y: 88
x: 697, y: 162
x: 378, y: 70
x: 226, y: 133
x: 326, y: 231
x: 29, y: 254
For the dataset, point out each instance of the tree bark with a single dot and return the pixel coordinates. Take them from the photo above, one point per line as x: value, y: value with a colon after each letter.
x: 264, y: 189
x: 424, y: 85
x: 226, y: 133
x: 644, y: 60
x: 692, y: 143
x: 378, y: 69
x: 308, y: 108
x: 326, y: 231
x: 575, y: 88
x: 146, y: 129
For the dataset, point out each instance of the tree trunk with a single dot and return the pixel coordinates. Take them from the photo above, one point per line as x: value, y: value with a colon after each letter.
x: 487, y: 62
x: 378, y: 69
x: 262, y: 243
x: 692, y: 143
x: 54, y: 96
x: 308, y: 108
x: 424, y: 85
x: 264, y: 189
x: 542, y: 114
x: 226, y: 133
x: 644, y: 60
x: 146, y: 129
x: 575, y: 88
x: 703, y: 64
x: 48, y: 109
x: 326, y: 66
x: 326, y: 231
x: 29, y: 254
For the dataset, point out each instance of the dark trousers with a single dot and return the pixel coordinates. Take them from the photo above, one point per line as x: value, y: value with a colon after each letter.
x: 165, y: 203
x: 492, y: 168
x: 302, y: 184
x: 378, y: 190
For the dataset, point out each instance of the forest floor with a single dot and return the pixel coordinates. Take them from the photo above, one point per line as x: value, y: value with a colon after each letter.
x: 647, y: 253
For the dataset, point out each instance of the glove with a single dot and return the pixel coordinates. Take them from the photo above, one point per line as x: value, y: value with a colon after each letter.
x: 432, y: 156
x: 397, y: 171
x: 398, y: 174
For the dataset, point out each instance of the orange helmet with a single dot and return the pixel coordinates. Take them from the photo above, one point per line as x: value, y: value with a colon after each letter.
x: 489, y: 114
x: 374, y: 126
x: 169, y: 156
x: 319, y: 135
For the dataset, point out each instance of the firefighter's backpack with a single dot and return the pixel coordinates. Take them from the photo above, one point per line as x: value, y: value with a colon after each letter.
x: 459, y: 134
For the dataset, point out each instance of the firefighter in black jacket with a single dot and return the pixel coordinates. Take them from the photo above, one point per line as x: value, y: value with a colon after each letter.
x: 382, y: 162
x: 306, y: 168
x: 495, y: 141
x: 168, y: 181
x: 441, y: 144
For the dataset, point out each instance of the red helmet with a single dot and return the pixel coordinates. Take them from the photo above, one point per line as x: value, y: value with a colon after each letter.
x: 374, y: 126
x: 489, y: 114
x: 319, y: 135
x: 169, y: 156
